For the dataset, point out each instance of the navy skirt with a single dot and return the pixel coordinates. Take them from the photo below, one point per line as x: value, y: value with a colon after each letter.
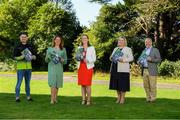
x: 119, y: 80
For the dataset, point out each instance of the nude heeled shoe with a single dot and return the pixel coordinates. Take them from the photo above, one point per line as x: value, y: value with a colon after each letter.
x: 51, y: 102
x: 88, y: 103
x: 121, y: 101
x: 83, y: 102
x: 118, y: 100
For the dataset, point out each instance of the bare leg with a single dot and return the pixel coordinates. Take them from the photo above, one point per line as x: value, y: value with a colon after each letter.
x: 52, y: 97
x: 88, y: 91
x: 122, y: 97
x: 118, y: 96
x: 56, y: 94
x: 83, y: 92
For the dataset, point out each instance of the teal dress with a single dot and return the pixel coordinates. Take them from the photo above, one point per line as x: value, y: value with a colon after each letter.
x: 55, y: 70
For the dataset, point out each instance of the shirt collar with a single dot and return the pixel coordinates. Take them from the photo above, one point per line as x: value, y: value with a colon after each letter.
x: 148, y: 48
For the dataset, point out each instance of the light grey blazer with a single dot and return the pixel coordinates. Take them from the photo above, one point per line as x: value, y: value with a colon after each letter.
x: 152, y: 65
x: 127, y: 57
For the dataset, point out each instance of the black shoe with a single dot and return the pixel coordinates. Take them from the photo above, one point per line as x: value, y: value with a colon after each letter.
x: 30, y: 99
x: 18, y: 100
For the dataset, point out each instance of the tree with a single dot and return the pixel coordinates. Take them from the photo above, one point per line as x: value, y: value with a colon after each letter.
x: 105, y: 31
x: 50, y: 21
x: 158, y: 19
x: 14, y: 16
x: 64, y: 4
x: 101, y: 1
x: 42, y: 19
x: 162, y: 16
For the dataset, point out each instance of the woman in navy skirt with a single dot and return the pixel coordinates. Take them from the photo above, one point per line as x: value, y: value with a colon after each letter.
x: 120, y: 69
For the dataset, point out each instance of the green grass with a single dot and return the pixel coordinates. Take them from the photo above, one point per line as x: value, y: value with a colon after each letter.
x: 106, y: 76
x: 36, y: 72
x: 104, y: 106
x: 161, y: 79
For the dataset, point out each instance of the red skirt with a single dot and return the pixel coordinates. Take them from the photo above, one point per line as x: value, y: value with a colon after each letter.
x: 84, y: 75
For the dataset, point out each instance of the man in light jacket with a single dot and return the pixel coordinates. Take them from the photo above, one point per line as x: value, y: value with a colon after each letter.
x: 148, y: 61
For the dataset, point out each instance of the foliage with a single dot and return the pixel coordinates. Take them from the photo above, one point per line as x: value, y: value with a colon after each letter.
x: 7, y: 65
x: 135, y: 70
x: 42, y: 20
x: 100, y: 1
x: 110, y: 25
x: 160, y: 20
x: 64, y: 4
x: 137, y: 19
x: 14, y: 16
x: 169, y: 68
x: 48, y: 22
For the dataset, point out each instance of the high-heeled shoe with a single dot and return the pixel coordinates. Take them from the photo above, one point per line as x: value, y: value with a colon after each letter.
x: 83, y: 102
x: 52, y: 102
x: 117, y: 101
x: 121, y: 102
x: 88, y: 103
x: 55, y: 101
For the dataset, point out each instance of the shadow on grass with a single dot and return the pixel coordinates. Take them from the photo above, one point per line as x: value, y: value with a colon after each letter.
x: 103, y: 107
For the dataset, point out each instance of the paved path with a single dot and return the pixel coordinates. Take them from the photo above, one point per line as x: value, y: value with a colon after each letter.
x: 70, y: 78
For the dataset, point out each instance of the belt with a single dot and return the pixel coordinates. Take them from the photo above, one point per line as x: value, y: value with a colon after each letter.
x: 145, y: 67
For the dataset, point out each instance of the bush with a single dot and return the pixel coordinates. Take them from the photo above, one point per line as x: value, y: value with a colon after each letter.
x: 135, y: 70
x: 177, y: 69
x: 7, y: 65
x: 169, y: 68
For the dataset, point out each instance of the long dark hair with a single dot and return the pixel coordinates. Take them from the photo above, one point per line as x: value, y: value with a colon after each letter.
x: 61, y: 44
x: 87, y: 38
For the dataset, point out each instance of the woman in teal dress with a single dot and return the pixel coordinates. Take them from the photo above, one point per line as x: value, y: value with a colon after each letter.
x: 56, y: 57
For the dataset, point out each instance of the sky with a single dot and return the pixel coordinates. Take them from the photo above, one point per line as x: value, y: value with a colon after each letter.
x: 86, y: 11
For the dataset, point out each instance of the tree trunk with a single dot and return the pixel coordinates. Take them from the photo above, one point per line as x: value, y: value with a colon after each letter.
x: 164, y: 31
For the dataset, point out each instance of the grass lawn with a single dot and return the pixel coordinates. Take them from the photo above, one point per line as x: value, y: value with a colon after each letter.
x: 104, y: 106
x: 161, y: 79
x: 106, y: 76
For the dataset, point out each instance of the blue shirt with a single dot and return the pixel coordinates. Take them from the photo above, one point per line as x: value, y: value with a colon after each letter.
x: 148, y: 50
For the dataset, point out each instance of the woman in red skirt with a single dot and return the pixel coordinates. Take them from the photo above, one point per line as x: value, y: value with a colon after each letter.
x: 86, y: 56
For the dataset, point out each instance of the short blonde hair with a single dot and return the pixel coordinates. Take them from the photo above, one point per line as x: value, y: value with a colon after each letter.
x: 125, y: 41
